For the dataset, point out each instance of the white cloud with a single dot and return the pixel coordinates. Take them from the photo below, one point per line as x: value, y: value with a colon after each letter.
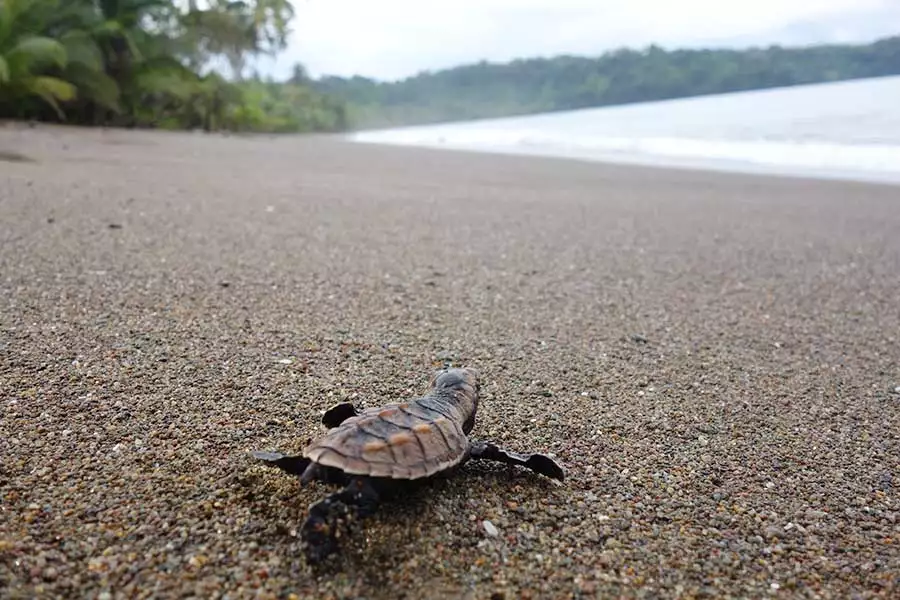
x: 396, y: 38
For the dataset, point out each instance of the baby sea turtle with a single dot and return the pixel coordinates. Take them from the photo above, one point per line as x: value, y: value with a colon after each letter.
x: 374, y: 451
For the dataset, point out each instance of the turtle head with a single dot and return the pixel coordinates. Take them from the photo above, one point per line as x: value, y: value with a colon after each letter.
x: 456, y: 379
x: 462, y: 387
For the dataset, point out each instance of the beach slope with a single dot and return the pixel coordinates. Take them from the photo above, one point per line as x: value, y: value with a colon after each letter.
x: 713, y: 358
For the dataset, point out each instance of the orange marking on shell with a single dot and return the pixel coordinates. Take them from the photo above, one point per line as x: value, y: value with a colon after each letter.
x: 422, y: 428
x: 398, y: 439
x: 374, y: 446
x: 387, y: 412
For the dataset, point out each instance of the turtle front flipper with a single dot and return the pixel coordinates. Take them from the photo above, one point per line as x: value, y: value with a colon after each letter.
x: 539, y: 463
x: 337, y: 414
x: 329, y: 518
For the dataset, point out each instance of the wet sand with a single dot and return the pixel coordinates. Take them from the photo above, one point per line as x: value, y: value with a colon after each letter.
x: 715, y: 359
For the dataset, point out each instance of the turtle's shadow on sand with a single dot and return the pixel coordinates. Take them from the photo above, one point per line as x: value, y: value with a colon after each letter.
x: 386, y: 536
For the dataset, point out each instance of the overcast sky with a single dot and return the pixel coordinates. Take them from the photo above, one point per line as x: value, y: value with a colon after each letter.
x: 391, y: 39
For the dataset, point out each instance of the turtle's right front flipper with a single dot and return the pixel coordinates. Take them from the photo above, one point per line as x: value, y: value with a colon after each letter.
x: 539, y: 463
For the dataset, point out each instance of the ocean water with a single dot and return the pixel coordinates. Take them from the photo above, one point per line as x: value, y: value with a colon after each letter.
x: 845, y: 130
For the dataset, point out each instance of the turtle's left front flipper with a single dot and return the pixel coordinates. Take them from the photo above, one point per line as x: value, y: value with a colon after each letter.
x: 338, y: 413
x: 539, y: 463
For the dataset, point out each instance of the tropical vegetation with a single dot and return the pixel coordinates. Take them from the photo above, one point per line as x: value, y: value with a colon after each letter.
x: 622, y: 76
x: 149, y: 63
x: 160, y: 63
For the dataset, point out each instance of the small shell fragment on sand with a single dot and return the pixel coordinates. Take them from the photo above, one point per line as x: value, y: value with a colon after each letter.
x: 489, y: 528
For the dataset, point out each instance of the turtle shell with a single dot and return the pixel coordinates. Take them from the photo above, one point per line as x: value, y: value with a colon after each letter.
x: 407, y: 440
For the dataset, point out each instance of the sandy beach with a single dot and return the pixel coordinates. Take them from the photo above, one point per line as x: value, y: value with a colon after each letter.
x: 715, y: 359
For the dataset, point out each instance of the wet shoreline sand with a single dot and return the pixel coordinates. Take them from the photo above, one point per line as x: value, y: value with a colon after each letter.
x: 714, y: 359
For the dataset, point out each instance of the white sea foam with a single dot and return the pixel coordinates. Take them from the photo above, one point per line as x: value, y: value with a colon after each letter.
x: 846, y: 130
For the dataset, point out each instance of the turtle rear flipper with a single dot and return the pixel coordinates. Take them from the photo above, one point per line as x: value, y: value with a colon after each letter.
x: 301, y: 465
x: 295, y: 465
x: 329, y: 516
x: 539, y: 463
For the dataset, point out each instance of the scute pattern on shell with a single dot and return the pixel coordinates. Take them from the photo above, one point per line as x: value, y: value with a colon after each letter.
x: 398, y: 441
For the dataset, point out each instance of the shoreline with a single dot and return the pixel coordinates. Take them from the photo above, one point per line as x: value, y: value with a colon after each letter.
x: 711, y: 165
x: 712, y: 357
x: 833, y: 131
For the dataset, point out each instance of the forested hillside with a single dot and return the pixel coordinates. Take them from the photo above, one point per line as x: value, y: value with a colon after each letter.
x: 145, y: 63
x: 569, y: 82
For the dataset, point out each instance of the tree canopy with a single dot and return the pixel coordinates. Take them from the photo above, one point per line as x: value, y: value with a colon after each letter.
x: 569, y: 82
x: 147, y: 63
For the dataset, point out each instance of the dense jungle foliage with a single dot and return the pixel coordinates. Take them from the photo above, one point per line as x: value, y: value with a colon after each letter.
x: 567, y: 82
x: 146, y: 63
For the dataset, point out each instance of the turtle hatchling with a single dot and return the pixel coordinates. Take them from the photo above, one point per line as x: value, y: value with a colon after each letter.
x: 373, y: 452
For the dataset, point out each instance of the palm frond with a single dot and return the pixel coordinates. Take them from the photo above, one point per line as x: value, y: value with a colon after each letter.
x: 52, y: 91
x: 94, y: 85
x: 81, y: 48
x: 36, y: 53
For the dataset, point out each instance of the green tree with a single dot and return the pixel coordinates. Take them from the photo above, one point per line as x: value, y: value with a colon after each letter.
x: 146, y: 63
x: 36, y: 64
x: 626, y: 75
x: 299, y: 75
x: 237, y: 30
